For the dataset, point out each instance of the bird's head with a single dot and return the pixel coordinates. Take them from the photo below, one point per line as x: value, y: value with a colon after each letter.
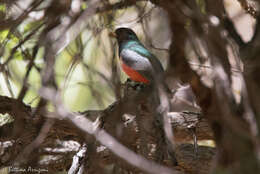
x: 124, y: 34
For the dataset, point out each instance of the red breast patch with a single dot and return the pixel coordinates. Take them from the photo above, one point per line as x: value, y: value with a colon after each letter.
x: 133, y: 74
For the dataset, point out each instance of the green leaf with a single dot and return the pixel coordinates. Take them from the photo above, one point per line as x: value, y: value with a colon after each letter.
x: 2, y: 7
x: 3, y: 34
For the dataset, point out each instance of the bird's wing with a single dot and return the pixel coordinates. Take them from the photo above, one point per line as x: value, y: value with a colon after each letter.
x: 140, y: 49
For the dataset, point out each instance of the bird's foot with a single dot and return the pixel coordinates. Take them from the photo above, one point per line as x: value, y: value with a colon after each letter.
x: 135, y: 85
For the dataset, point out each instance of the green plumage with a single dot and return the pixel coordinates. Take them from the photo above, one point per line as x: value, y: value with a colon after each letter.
x: 135, y: 55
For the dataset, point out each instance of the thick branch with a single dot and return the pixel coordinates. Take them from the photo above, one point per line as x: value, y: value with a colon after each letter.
x: 182, y: 122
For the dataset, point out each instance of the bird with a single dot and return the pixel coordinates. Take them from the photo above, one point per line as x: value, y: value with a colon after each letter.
x: 136, y: 60
x: 143, y: 66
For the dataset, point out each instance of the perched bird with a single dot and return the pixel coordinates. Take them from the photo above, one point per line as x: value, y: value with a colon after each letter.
x: 136, y: 61
x: 142, y: 66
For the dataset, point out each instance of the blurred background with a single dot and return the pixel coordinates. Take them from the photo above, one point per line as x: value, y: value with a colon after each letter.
x: 84, y: 67
x: 86, y: 70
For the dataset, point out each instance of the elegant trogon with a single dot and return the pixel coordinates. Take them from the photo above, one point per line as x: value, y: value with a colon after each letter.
x: 136, y: 61
x: 142, y: 66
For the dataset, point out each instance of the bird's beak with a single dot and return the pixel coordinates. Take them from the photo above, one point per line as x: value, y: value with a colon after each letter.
x: 112, y: 34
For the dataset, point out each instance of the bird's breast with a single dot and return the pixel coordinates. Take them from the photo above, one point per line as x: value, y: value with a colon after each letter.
x: 133, y: 74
